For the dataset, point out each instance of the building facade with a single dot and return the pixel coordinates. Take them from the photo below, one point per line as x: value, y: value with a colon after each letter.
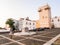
x: 45, y: 16
x: 56, y: 22
x: 26, y: 23
x: 37, y: 24
x: 16, y: 24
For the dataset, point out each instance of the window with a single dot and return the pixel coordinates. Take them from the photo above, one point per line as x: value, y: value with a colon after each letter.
x: 46, y: 16
x: 43, y: 17
x: 47, y: 8
x: 52, y: 20
x: 58, y: 20
x: 55, y: 16
x: 39, y: 10
x: 30, y: 23
x: 33, y: 23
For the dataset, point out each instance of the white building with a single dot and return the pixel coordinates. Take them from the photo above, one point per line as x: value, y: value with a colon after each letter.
x: 26, y: 23
x: 16, y: 24
x: 56, y: 22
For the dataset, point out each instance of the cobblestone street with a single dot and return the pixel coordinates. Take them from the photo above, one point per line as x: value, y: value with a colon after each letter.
x: 39, y: 38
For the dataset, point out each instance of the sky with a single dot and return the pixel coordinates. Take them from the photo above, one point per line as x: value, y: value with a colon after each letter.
x: 25, y: 8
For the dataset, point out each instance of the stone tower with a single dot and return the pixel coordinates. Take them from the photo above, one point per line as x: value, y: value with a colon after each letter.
x: 45, y: 16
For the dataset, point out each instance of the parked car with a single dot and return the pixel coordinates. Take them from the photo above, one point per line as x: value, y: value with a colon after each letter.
x: 40, y: 29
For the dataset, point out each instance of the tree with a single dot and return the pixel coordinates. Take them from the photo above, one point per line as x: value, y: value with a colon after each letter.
x: 10, y: 22
x: 0, y: 27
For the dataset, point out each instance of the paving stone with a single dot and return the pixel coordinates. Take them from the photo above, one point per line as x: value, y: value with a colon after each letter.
x: 1, y: 37
x: 13, y: 44
x: 43, y: 38
x: 50, y: 35
x: 32, y: 42
x: 6, y: 34
x: 4, y: 41
x: 17, y: 38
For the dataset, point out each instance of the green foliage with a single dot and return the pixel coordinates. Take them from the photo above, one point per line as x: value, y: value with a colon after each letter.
x: 0, y: 27
x: 10, y: 22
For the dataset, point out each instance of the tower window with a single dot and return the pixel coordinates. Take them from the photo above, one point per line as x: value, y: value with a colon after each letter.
x: 39, y: 10
x: 46, y: 17
x: 43, y: 17
x: 47, y: 8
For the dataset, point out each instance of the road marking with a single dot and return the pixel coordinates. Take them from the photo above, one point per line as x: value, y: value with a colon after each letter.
x: 37, y: 39
x: 52, y: 40
x: 12, y: 40
x: 34, y: 39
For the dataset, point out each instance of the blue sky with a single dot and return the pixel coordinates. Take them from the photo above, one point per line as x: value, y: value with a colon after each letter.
x: 23, y: 8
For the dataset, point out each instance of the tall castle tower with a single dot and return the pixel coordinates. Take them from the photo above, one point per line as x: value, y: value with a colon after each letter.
x: 45, y: 16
